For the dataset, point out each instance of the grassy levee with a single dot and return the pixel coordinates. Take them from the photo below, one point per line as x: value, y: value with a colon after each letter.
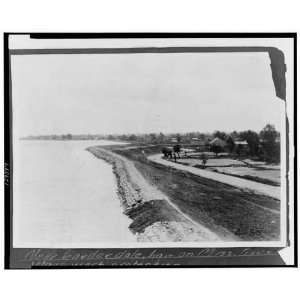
x: 213, y: 204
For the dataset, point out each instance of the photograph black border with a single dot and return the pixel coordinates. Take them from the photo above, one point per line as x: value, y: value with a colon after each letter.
x: 205, y: 261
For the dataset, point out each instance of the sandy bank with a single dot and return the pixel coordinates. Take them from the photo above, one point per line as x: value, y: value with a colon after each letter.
x: 154, y: 217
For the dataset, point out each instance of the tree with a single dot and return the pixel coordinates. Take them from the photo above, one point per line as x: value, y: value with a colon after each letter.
x: 132, y: 137
x: 161, y: 138
x: 234, y: 134
x: 220, y: 134
x: 153, y: 138
x: 252, y: 139
x: 269, y: 133
x: 204, y: 160
x: 123, y: 137
x: 178, y: 137
x: 177, y: 149
x: 270, y: 147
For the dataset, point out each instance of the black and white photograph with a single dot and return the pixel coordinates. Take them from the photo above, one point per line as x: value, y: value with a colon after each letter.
x: 146, y: 146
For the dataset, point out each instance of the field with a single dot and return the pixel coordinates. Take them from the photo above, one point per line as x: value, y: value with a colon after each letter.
x: 247, y: 169
x: 215, y: 205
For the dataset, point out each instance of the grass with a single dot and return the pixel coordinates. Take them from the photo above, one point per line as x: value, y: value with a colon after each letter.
x: 252, y: 178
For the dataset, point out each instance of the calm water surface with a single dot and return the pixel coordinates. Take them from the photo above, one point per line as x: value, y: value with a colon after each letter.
x: 65, y: 197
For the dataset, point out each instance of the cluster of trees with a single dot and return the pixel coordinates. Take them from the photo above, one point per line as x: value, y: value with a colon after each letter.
x: 270, y: 146
x: 263, y: 144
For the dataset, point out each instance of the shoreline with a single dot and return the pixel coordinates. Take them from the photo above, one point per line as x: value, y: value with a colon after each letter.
x: 154, y: 217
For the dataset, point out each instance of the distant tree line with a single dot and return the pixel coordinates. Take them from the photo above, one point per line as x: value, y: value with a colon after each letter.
x: 263, y: 144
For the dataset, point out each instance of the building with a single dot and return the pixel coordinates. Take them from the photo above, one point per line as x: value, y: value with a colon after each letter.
x: 241, y: 147
x: 218, y: 142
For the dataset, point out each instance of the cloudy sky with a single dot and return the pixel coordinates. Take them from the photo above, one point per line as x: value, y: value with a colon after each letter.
x: 137, y: 93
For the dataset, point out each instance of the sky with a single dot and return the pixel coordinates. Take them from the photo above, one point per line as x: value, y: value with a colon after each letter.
x: 142, y: 93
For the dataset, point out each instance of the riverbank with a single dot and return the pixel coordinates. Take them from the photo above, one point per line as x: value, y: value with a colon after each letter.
x: 230, y: 212
x: 154, y: 217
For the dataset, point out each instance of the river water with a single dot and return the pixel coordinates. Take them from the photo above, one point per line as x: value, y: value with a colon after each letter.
x: 63, y: 196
